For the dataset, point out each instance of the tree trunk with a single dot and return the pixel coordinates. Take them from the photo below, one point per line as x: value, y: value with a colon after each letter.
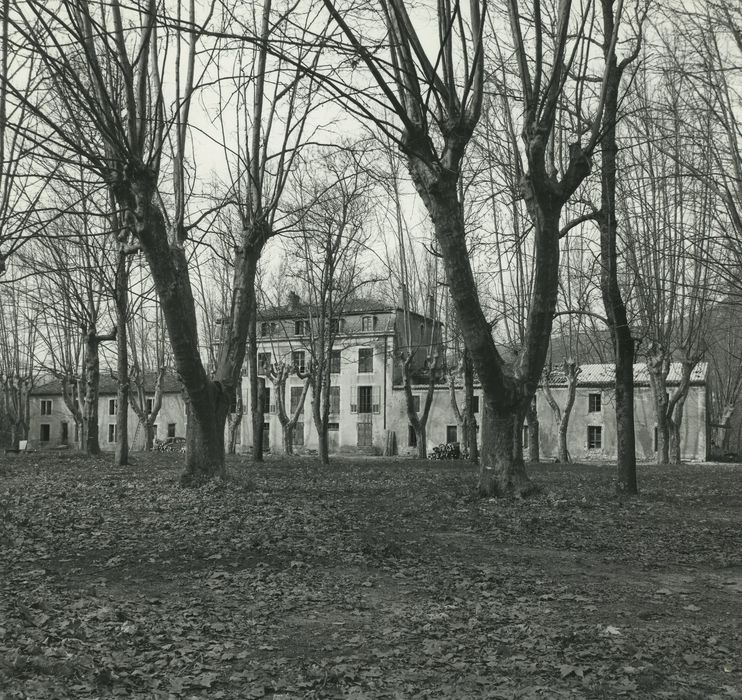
x: 90, y: 404
x: 615, y: 309
x: 470, y: 421
x: 421, y: 434
x: 149, y: 435
x: 256, y: 394
x: 121, y: 456
x: 205, y: 444
x: 501, y: 472
x: 533, y: 434
x: 288, y: 438
x: 657, y: 377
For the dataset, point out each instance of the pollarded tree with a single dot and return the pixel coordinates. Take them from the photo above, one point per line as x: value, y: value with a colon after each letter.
x: 437, y: 99
x: 123, y: 80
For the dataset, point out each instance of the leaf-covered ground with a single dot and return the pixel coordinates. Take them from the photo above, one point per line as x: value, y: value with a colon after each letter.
x: 368, y: 579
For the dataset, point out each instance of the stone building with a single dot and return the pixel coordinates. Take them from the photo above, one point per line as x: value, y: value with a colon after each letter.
x: 52, y: 424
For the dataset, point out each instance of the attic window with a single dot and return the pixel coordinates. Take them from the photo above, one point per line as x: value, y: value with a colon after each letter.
x: 299, y: 327
x: 368, y: 323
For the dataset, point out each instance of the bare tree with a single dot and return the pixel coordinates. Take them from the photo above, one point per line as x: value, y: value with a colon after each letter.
x: 330, y: 249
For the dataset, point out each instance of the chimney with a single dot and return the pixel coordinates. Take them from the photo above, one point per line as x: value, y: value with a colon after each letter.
x: 431, y: 305
x: 294, y: 300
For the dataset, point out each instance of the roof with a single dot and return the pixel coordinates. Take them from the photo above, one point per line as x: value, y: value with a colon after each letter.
x: 350, y: 307
x: 604, y: 374
x: 109, y: 385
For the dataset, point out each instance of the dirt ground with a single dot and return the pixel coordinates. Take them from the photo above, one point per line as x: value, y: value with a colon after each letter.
x: 371, y: 578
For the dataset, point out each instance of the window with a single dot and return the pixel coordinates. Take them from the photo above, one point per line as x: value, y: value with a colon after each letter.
x: 299, y: 434
x: 267, y: 408
x: 334, y: 400
x: 593, y: 403
x: 411, y: 437
x: 44, y: 432
x: 111, y: 432
x: 365, y: 360
x: 365, y: 431
x: 111, y: 410
x: 267, y: 328
x: 65, y: 433
x: 452, y: 433
x: 368, y: 323
x: 300, y: 327
x: 335, y: 362
x: 264, y: 362
x: 364, y: 399
x: 333, y: 427
x: 171, y: 429
x: 298, y: 359
x: 266, y: 436
x: 296, y: 392
x: 594, y: 437
x: 150, y: 405
x: 416, y: 403
x: 46, y: 407
x: 336, y: 325
x: 475, y: 404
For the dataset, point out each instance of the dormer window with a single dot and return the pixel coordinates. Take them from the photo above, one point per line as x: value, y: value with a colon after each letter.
x: 267, y: 328
x: 368, y: 323
x: 300, y: 327
x: 336, y: 325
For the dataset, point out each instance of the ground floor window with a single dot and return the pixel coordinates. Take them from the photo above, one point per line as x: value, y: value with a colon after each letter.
x: 65, y: 433
x: 171, y: 429
x: 333, y: 427
x: 111, y: 432
x: 44, y: 432
x: 452, y: 433
x: 594, y: 437
x: 365, y: 430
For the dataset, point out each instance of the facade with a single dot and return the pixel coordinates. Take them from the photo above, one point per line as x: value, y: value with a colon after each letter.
x: 365, y: 369
x: 52, y: 424
x: 592, y: 427
x: 591, y: 435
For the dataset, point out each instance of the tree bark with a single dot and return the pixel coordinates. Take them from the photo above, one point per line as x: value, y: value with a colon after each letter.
x: 256, y: 396
x: 533, y: 433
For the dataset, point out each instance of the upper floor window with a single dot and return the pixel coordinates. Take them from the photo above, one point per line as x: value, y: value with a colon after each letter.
x: 112, y: 407
x: 150, y: 405
x: 368, y: 323
x: 336, y: 325
x: 300, y: 327
x: 267, y: 328
x: 365, y: 360
x: 335, y: 362
x: 334, y: 400
x: 296, y: 396
x: 264, y: 362
x: 593, y: 403
x: 46, y: 407
x: 298, y: 360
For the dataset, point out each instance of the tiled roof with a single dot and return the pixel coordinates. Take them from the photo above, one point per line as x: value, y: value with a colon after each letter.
x: 604, y: 374
x: 108, y: 385
x: 349, y: 308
